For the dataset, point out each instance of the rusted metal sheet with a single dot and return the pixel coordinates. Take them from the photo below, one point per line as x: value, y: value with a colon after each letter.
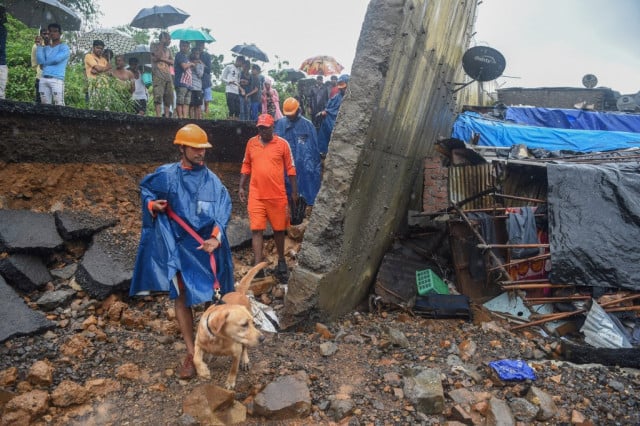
x: 467, y: 181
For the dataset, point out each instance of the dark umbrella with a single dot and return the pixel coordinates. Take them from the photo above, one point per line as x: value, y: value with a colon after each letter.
x: 159, y: 17
x: 40, y: 13
x: 251, y: 51
x: 294, y: 75
x: 142, y: 52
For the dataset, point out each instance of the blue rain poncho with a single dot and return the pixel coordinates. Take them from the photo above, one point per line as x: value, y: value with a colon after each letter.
x: 332, y: 109
x: 197, y: 196
x: 303, y: 141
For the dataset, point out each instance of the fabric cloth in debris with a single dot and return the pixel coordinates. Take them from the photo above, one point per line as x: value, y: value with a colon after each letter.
x: 521, y: 228
x: 513, y: 369
x: 198, y: 196
x: 574, y: 119
x: 502, y: 134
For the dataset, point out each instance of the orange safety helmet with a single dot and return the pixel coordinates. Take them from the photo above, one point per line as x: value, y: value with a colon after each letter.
x: 290, y: 106
x: 192, y: 135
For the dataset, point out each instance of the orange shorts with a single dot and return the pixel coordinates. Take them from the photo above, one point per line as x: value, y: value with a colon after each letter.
x: 276, y: 211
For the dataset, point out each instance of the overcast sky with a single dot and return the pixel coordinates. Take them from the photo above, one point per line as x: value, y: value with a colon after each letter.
x: 545, y: 42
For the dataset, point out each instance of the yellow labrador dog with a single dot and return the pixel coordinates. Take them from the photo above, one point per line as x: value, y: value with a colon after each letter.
x: 228, y: 329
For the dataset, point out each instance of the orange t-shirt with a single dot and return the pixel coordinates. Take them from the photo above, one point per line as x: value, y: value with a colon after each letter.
x: 267, y: 164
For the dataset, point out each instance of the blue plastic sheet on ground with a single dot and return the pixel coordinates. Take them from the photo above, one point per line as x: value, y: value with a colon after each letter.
x: 574, y: 119
x: 501, y: 134
x: 513, y: 369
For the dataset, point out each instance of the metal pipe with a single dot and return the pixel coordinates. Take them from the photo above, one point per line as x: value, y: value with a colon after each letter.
x: 529, y: 259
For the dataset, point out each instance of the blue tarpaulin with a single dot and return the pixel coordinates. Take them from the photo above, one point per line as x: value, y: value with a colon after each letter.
x: 574, y: 119
x: 501, y: 134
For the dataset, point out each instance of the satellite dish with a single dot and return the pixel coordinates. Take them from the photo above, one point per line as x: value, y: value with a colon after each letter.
x: 626, y: 103
x: 483, y: 63
x: 589, y: 81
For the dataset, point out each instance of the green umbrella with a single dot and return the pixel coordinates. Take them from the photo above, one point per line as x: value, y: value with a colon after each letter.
x: 191, y: 34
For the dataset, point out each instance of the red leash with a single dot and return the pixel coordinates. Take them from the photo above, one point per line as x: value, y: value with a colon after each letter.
x: 198, y: 238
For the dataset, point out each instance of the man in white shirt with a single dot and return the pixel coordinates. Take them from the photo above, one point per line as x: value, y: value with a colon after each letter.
x: 231, y: 78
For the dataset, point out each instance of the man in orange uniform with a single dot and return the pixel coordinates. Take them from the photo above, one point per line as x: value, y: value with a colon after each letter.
x: 266, y: 159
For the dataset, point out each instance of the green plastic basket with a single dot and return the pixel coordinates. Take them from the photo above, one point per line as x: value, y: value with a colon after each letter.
x: 428, y: 282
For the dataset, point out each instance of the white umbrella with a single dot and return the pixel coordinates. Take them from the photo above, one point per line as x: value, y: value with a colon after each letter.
x: 112, y: 38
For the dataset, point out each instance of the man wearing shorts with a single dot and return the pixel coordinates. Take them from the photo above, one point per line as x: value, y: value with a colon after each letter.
x: 161, y: 61
x: 267, y: 159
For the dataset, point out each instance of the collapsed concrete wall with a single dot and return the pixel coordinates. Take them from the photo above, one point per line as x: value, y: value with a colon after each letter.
x: 399, y: 101
x: 53, y: 134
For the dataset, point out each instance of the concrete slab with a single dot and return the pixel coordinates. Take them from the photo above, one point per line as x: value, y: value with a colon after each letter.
x: 24, y: 231
x: 239, y: 233
x: 16, y: 318
x: 25, y: 272
x: 107, y: 266
x: 80, y: 225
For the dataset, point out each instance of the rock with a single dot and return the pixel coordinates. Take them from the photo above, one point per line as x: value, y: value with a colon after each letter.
x: 540, y: 398
x: 462, y: 396
x: 130, y: 371
x: 234, y: 415
x: 29, y: 405
x: 65, y: 273
x: 499, y: 414
x: 461, y: 415
x: 54, y: 299
x: 616, y: 385
x: 187, y: 420
x: 424, y: 390
x: 40, y: 374
x: 8, y: 377
x: 24, y: 272
x: 523, y: 410
x: 396, y: 337
x: 24, y: 231
x: 323, y: 330
x: 69, y: 393
x: 80, y: 225
x: 16, y: 318
x: 328, y: 348
x: 285, y: 398
x: 101, y: 387
x: 467, y: 349
x: 205, y: 401
x: 340, y: 408
x: 393, y: 379
x: 106, y: 267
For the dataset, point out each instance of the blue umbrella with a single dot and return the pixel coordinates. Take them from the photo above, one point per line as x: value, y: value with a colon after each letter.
x: 159, y: 17
x: 191, y: 34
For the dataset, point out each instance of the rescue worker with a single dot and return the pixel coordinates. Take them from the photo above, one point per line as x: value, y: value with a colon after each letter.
x: 303, y: 141
x: 267, y: 159
x: 169, y: 258
x: 329, y: 114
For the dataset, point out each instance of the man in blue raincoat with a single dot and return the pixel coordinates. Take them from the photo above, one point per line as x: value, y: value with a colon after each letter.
x: 329, y: 114
x: 169, y: 257
x: 303, y: 141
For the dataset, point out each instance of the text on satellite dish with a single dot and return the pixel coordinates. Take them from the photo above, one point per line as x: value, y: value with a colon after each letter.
x: 486, y: 59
